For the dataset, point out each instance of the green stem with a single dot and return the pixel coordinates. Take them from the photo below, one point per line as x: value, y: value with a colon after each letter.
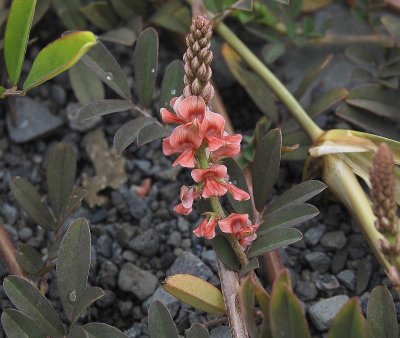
x: 276, y: 86
x: 217, y: 208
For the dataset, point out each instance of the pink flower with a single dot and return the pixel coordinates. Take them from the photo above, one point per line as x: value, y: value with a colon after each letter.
x: 190, y: 109
x: 240, y: 226
x: 184, y: 140
x: 206, y: 228
x: 187, y: 197
x: 230, y: 147
x: 215, y: 183
x: 212, y: 130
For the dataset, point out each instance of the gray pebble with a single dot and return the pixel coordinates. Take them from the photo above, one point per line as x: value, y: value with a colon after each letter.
x: 146, y: 243
x: 306, y: 290
x: 348, y: 279
x: 25, y: 233
x: 334, y: 240
x: 189, y: 263
x: 313, y: 235
x: 318, y: 261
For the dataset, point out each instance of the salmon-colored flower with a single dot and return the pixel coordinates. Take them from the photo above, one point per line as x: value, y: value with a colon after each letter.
x: 240, y: 226
x: 215, y: 183
x: 184, y: 140
x: 206, y: 228
x: 230, y: 147
x: 187, y: 110
x: 212, y: 130
x: 187, y: 197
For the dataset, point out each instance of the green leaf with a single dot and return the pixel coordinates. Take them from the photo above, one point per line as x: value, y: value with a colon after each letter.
x: 86, y: 85
x: 273, y: 240
x: 103, y: 107
x: 327, y: 101
x: 58, y: 56
x: 368, y: 121
x: 392, y: 24
x: 247, y: 304
x: 88, y: 298
x: 123, y: 36
x: 312, y: 75
x: 286, y: 317
x: 124, y: 8
x: 73, y: 265
x: 103, y: 63
x: 33, y: 304
x: 101, y: 330
x: 16, y: 36
x: 73, y: 201
x: 68, y: 12
x: 150, y: 133
x: 288, y: 216
x: 196, y: 292
x: 172, y: 84
x: 128, y: 132
x: 61, y: 171
x: 375, y: 99
x: 145, y: 62
x: 161, y: 324
x: 2, y: 91
x: 29, y: 259
x: 266, y: 160
x: 349, y: 322
x: 297, y: 194
x: 17, y: 325
x: 172, y: 16
x: 250, y: 266
x: 42, y: 6
x: 197, y: 331
x: 100, y: 14
x: 252, y: 83
x: 365, y: 55
x: 78, y: 332
x: 224, y: 252
x: 29, y: 199
x: 273, y: 52
x: 381, y: 314
x: 236, y: 176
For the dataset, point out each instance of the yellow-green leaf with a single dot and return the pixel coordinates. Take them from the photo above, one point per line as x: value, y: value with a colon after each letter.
x: 2, y: 91
x: 59, y: 56
x: 196, y: 292
x: 17, y: 35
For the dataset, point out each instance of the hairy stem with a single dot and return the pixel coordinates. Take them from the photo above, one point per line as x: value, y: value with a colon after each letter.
x: 7, y: 254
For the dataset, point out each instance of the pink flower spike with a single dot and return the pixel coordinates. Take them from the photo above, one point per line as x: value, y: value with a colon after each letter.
x: 206, y: 228
x: 192, y: 108
x: 237, y: 194
x: 213, y: 180
x: 229, y: 148
x: 187, y: 197
x: 212, y: 130
x: 234, y: 223
x: 170, y: 118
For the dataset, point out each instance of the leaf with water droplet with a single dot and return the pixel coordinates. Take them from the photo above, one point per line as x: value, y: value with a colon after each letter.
x: 103, y: 63
x: 145, y: 62
x: 33, y: 304
x: 172, y: 84
x: 73, y: 265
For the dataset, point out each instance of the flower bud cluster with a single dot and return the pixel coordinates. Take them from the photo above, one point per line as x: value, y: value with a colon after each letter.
x: 200, y: 142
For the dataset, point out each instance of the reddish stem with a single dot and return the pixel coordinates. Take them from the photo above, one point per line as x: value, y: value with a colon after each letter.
x: 7, y: 254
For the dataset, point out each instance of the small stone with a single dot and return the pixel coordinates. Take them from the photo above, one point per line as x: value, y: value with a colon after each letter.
x: 210, y: 258
x: 135, y: 331
x: 363, y: 275
x: 183, y: 225
x: 323, y: 312
x: 328, y: 282
x: 125, y: 308
x: 58, y: 94
x: 339, y: 261
x: 130, y: 256
x: 33, y: 121
x: 103, y: 246
x: 174, y: 239
x: 313, y: 235
x: 348, y: 279
x: 191, y: 264
x: 318, y: 261
x: 107, y: 300
x: 306, y: 290
x: 10, y: 213
x: 25, y: 234
x: 133, y: 279
x: 335, y: 240
x: 146, y: 243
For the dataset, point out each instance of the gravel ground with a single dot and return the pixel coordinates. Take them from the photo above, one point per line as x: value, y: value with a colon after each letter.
x: 137, y: 242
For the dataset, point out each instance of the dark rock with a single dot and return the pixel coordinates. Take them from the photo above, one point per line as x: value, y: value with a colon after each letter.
x: 25, y: 234
x: 339, y: 261
x: 323, y: 312
x: 313, y: 235
x: 107, y: 300
x: 133, y: 279
x: 334, y: 240
x: 125, y: 307
x: 306, y: 290
x: 58, y: 94
x: 103, y: 246
x: 327, y: 282
x: 189, y: 263
x: 164, y: 297
x: 363, y: 275
x: 318, y: 261
x: 33, y: 120
x: 108, y: 273
x: 348, y: 279
x: 175, y: 239
x: 10, y: 213
x: 146, y: 243
x: 211, y: 259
